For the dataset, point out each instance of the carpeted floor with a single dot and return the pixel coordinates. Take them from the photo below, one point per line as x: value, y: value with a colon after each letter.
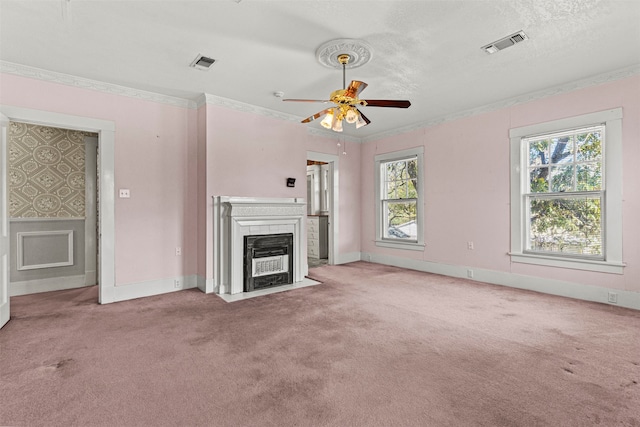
x: 371, y: 346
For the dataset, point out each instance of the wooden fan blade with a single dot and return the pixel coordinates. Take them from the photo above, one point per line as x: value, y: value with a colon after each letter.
x: 367, y: 121
x: 307, y: 100
x: 316, y: 115
x: 355, y: 88
x: 387, y: 103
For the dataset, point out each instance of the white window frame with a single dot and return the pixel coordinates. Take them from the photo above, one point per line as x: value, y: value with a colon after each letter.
x: 612, y: 209
x: 418, y: 244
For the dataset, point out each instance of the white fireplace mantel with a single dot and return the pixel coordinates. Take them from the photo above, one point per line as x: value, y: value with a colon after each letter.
x: 237, y: 217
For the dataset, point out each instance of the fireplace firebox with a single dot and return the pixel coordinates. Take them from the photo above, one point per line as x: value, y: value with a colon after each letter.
x: 268, y: 261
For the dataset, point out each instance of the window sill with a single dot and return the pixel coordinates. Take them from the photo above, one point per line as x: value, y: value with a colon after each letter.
x: 409, y: 246
x: 576, y: 264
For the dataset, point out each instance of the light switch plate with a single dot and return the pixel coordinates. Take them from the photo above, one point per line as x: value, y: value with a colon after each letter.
x: 125, y: 193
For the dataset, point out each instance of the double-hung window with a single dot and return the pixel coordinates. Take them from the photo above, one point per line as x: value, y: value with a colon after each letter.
x: 399, y: 199
x: 564, y: 196
x: 566, y: 192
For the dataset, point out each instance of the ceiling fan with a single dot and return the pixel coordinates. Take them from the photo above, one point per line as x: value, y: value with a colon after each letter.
x: 347, y: 103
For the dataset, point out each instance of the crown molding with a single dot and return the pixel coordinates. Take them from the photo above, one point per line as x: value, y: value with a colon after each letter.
x: 205, y: 98
x: 67, y: 79
x: 516, y: 100
x: 81, y: 82
x: 219, y: 101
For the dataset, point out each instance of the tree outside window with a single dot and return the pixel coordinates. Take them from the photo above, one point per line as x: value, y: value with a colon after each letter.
x: 399, y: 199
x: 565, y: 194
x: 400, y: 188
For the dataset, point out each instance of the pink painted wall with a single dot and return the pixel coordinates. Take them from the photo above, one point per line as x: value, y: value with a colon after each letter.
x: 253, y: 155
x: 175, y: 159
x: 250, y: 155
x: 201, y: 202
x: 155, y: 157
x: 467, y: 191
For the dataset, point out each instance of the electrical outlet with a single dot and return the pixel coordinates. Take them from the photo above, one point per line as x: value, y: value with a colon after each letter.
x: 612, y: 297
x: 125, y: 193
x: 470, y: 246
x: 470, y: 274
x: 177, y: 284
x: 178, y: 251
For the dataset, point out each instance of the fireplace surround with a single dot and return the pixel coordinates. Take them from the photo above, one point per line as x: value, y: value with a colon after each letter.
x: 238, y: 217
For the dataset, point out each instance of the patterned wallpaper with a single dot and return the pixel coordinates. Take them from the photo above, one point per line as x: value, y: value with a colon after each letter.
x: 46, y: 172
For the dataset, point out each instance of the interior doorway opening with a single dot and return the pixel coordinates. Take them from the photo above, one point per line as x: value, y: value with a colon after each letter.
x: 105, y: 186
x: 318, y: 183
x: 53, y: 199
x: 322, y: 209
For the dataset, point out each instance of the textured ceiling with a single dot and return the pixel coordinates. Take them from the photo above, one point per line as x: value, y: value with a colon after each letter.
x: 425, y: 51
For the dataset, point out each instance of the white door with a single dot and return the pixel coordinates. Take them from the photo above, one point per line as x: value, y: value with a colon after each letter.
x: 4, y: 223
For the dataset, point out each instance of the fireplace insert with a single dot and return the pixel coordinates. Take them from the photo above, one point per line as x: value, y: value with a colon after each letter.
x: 268, y: 261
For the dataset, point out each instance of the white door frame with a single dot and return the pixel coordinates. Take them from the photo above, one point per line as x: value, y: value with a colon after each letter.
x: 91, y: 208
x: 5, y: 310
x: 333, y: 162
x: 106, y: 146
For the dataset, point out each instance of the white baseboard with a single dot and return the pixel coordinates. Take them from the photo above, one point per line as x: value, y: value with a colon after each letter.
x: 205, y: 285
x: 201, y: 283
x: 147, y: 289
x: 626, y: 299
x: 46, y: 285
x: 579, y: 291
x: 90, y: 278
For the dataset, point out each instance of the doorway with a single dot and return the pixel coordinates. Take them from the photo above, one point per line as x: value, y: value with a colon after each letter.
x: 105, y: 186
x: 52, y: 208
x: 322, y: 209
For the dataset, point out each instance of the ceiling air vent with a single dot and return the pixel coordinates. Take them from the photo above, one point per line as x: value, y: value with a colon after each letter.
x: 202, y: 62
x: 506, y: 42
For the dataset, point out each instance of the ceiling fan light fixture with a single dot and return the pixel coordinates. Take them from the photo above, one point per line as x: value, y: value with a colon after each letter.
x: 327, y: 122
x: 360, y: 122
x: 337, y: 124
x: 351, y: 116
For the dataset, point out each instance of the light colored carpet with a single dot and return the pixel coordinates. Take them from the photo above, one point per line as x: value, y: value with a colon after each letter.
x: 370, y: 346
